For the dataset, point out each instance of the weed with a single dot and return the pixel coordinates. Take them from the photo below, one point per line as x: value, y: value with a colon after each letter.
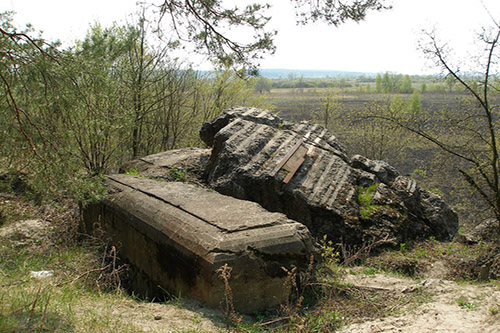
x: 352, y: 254
x: 321, y: 320
x: 494, y: 310
x: 465, y: 304
x: 365, y: 196
x: 291, y: 308
x: 232, y: 318
x: 404, y: 248
x: 132, y: 172
x: 370, y: 271
x: 178, y: 174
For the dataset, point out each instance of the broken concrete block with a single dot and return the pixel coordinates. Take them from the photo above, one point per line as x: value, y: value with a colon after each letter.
x: 190, y: 161
x: 302, y: 170
x: 177, y: 235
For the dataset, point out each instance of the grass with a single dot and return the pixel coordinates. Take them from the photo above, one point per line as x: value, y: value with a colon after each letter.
x: 464, y: 303
x: 414, y: 259
x: 60, y: 303
x: 365, y: 196
x: 79, y: 298
x: 178, y: 174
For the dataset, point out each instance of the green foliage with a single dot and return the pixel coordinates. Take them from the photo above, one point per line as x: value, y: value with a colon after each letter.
x: 88, y: 189
x: 262, y: 85
x: 464, y: 303
x: 74, y: 115
x: 403, y: 248
x: 416, y: 104
x: 329, y: 254
x: 132, y: 172
x: 370, y: 271
x: 177, y: 174
x: 365, y: 196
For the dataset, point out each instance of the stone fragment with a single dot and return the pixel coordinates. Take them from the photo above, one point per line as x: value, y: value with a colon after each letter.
x: 352, y: 200
x: 177, y: 235
x: 189, y: 161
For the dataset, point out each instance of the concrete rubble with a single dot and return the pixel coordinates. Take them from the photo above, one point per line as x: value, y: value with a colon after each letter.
x: 176, y: 235
x: 255, y: 201
x: 302, y: 170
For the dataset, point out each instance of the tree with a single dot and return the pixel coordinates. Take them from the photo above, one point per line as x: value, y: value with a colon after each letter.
x: 330, y: 106
x: 378, y: 83
x: 469, y: 134
x: 67, y: 116
x: 262, y: 85
x: 207, y: 24
x: 416, y: 103
x: 406, y: 85
x: 387, y: 83
x: 364, y: 131
x: 93, y: 105
x: 423, y: 87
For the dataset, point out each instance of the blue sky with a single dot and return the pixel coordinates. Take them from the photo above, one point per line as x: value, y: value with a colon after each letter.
x: 386, y: 41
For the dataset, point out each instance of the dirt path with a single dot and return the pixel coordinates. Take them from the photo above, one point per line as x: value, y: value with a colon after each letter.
x: 451, y: 307
x: 448, y: 307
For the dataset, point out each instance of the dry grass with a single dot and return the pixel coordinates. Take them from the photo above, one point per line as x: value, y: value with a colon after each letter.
x: 84, y: 292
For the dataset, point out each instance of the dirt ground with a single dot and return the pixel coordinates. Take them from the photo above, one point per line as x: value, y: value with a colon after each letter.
x: 451, y: 307
x: 448, y: 306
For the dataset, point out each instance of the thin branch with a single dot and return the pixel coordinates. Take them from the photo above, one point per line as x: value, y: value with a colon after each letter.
x: 13, y: 104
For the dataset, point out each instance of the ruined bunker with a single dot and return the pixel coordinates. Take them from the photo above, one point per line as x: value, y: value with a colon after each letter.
x: 255, y: 201
x: 177, y: 235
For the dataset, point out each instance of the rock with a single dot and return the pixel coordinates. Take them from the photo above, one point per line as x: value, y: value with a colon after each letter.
x: 177, y: 235
x: 304, y: 171
x: 488, y: 231
x: 381, y: 169
x: 27, y: 232
x: 171, y: 165
x: 41, y: 274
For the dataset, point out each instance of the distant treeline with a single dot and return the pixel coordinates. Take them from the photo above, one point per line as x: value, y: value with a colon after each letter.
x: 380, y: 83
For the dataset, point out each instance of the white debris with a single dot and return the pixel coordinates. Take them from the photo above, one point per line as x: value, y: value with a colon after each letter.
x: 41, y: 274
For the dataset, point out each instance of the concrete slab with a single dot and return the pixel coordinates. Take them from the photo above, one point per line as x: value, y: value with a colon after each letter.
x: 302, y: 170
x: 177, y: 235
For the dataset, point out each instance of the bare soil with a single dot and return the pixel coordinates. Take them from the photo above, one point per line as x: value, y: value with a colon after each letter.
x: 452, y: 307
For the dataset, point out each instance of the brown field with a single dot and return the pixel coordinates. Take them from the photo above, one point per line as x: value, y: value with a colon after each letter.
x: 410, y: 154
x: 301, y: 103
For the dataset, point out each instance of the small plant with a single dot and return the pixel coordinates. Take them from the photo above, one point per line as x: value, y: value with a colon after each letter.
x: 331, y: 259
x: 370, y: 271
x: 132, y: 172
x: 290, y: 307
x: 494, y: 310
x: 177, y: 174
x: 365, y: 196
x: 319, y: 321
x: 232, y: 318
x: 403, y: 248
x: 465, y: 304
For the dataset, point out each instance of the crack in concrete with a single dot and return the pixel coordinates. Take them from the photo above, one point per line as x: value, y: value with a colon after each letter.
x: 224, y: 230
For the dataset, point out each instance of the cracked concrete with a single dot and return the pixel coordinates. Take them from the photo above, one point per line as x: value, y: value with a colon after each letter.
x: 177, y: 235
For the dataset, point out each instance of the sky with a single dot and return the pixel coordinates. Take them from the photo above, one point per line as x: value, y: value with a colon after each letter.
x: 385, y: 41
